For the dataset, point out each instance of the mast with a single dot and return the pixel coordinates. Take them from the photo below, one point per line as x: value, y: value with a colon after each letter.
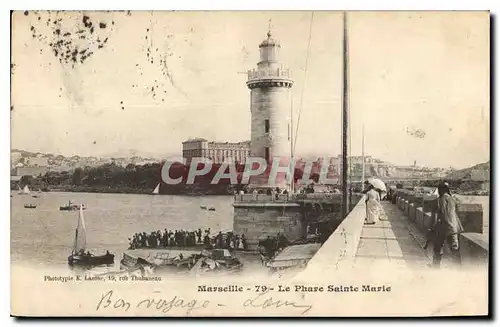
x: 293, y: 138
x: 292, y: 161
x: 363, y: 158
x: 75, y: 242
x: 345, y: 124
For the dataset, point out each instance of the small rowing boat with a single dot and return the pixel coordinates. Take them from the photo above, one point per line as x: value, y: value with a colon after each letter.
x: 72, y: 207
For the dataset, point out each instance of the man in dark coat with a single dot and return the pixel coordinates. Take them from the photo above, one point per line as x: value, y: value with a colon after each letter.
x: 447, y: 226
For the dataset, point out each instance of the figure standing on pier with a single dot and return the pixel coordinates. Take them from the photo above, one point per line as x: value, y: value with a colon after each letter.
x: 447, y: 226
x: 372, y: 205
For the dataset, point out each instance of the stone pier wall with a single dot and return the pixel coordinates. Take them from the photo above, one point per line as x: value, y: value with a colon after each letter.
x: 257, y: 220
x: 420, y: 210
x: 259, y: 215
x: 474, y: 248
x: 340, y: 249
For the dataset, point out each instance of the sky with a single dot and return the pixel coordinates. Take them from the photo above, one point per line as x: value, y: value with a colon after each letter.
x: 150, y: 80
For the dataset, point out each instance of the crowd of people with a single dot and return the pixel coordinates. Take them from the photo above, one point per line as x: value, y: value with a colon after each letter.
x: 182, y: 238
x: 230, y: 240
x: 277, y: 191
x: 269, y: 191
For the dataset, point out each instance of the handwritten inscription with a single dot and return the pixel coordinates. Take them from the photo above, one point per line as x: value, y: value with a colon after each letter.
x: 108, y: 301
x: 263, y: 301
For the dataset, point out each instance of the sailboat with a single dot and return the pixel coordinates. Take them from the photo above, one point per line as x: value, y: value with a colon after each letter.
x: 78, y: 255
x: 157, y: 189
x: 25, y: 190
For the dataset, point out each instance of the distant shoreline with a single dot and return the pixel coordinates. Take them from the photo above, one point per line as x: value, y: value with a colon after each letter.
x: 185, y: 190
x: 179, y: 190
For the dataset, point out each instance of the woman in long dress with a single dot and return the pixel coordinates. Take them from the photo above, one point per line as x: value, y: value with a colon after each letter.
x: 372, y: 205
x: 382, y: 195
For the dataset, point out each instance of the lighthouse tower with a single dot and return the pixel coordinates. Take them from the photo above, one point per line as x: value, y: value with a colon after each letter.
x: 270, y: 93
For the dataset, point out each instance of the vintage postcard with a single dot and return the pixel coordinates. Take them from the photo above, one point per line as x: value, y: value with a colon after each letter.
x: 250, y: 163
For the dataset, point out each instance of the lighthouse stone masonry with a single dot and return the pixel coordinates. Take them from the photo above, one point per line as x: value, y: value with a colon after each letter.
x: 258, y: 215
x: 270, y: 107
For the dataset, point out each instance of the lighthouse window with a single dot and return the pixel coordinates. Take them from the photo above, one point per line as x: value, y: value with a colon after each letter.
x: 267, y: 154
x: 267, y: 125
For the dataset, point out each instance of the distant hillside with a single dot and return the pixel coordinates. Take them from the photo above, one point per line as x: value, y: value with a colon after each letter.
x: 55, y: 162
x: 477, y: 172
x: 121, y: 153
x: 129, y: 153
x: 24, y: 153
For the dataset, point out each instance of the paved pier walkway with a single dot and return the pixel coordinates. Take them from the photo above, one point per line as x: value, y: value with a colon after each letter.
x: 392, y: 240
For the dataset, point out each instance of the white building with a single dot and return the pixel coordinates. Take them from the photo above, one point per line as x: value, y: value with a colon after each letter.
x: 217, y: 152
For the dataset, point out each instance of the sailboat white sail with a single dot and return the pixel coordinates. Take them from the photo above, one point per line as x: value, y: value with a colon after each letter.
x: 80, y: 234
x: 157, y: 189
x: 25, y: 190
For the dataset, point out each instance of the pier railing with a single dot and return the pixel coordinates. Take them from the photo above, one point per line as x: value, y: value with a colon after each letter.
x: 284, y: 197
x: 317, y: 196
x: 421, y: 210
x: 263, y: 198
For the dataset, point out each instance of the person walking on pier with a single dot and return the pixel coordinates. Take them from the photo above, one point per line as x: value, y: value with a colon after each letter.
x: 254, y: 194
x: 446, y: 227
x: 372, y: 205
